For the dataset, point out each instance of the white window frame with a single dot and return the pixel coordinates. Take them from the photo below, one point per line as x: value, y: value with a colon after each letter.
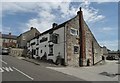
x: 75, y: 31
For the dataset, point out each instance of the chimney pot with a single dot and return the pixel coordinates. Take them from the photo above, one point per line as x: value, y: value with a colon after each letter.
x: 9, y: 33
x: 54, y: 25
x: 31, y: 28
x: 80, y: 9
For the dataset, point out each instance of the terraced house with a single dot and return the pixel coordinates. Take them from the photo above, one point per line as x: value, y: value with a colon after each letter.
x: 70, y: 43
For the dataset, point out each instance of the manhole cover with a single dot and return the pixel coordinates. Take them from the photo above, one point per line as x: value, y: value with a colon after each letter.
x: 108, y: 74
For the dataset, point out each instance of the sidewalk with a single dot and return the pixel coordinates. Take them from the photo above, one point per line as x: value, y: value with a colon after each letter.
x: 91, y: 73
x: 38, y: 62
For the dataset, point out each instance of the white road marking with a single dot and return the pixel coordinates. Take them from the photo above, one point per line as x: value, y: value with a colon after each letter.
x: 1, y: 70
x: 8, y: 69
x: 23, y: 73
x: 3, y: 61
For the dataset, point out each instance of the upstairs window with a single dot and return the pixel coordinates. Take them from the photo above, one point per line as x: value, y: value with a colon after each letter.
x: 54, y: 38
x: 33, y: 43
x: 73, y: 31
x: 23, y: 38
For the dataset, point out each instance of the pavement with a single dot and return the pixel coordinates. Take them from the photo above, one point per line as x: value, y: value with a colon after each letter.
x: 15, y: 69
x: 40, y: 62
x: 92, y: 73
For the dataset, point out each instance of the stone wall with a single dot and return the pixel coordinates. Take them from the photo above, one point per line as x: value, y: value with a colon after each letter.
x: 93, y: 49
x: 71, y: 40
x: 16, y: 52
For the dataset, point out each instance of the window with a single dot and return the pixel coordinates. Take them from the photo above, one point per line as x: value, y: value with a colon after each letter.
x: 73, y: 31
x: 50, y: 49
x: 54, y: 38
x: 33, y: 51
x: 37, y: 41
x: 43, y: 39
x: 24, y: 38
x: 76, y: 49
x: 33, y: 43
x: 37, y: 49
x: 41, y: 51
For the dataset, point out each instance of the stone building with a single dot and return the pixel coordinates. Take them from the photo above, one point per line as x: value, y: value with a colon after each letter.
x: 70, y: 43
x: 23, y: 38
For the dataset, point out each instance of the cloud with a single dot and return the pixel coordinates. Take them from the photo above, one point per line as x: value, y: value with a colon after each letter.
x: 59, y: 0
x: 90, y: 14
x: 107, y: 29
x: 112, y: 45
x: 45, y: 15
x: 101, y: 1
x: 42, y: 22
x: 66, y: 11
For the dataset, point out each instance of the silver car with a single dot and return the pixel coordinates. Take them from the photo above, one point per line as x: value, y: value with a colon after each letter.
x: 5, y: 51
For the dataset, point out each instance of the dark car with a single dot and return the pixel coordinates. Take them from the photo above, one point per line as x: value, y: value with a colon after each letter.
x: 112, y: 58
x: 5, y: 51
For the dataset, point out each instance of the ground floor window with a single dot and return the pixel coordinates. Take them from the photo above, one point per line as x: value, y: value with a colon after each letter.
x: 50, y: 50
x: 76, y: 49
x: 37, y: 49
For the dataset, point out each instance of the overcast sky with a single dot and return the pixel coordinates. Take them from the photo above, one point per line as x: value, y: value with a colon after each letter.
x: 101, y: 17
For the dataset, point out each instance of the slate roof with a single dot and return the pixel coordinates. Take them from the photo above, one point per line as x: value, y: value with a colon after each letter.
x: 9, y: 37
x: 52, y: 29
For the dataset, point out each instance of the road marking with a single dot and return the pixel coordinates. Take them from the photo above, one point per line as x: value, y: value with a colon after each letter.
x: 1, y: 70
x: 3, y: 61
x: 23, y: 73
x: 8, y: 69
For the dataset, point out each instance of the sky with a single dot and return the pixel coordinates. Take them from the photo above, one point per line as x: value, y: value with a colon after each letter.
x: 101, y: 17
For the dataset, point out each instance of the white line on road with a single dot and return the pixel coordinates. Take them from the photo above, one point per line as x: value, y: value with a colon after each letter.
x: 3, y: 61
x: 23, y: 73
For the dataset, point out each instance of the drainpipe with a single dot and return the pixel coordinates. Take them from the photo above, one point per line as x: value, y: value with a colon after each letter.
x: 81, y: 38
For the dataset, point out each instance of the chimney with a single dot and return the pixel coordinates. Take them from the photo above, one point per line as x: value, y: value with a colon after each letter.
x: 9, y: 34
x: 80, y: 11
x: 54, y: 25
x: 31, y: 28
x: 82, y: 52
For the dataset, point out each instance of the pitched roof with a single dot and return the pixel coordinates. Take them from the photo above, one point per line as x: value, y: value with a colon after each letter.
x: 52, y: 29
x: 27, y: 32
x: 7, y: 36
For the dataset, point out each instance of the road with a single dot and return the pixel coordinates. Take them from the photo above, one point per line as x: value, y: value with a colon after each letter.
x: 14, y: 69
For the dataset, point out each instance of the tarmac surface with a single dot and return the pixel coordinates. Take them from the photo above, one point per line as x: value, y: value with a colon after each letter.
x: 14, y: 69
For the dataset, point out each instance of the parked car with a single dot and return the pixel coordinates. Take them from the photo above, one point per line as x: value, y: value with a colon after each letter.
x: 5, y: 51
x: 112, y: 58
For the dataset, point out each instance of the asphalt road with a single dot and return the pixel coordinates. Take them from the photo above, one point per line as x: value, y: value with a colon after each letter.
x: 14, y: 69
